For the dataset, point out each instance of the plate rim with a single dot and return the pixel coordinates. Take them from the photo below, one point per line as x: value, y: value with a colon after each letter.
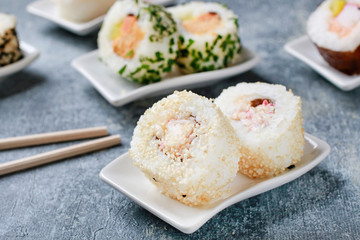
x: 30, y: 53
x: 344, y: 85
x: 269, y: 184
x: 77, y: 64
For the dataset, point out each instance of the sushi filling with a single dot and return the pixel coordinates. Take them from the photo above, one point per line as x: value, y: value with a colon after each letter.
x: 346, y: 17
x: 176, y: 137
x: 203, y: 24
x: 126, y: 37
x: 255, y: 114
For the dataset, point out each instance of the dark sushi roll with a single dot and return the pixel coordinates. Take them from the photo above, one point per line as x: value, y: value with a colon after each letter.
x: 334, y: 28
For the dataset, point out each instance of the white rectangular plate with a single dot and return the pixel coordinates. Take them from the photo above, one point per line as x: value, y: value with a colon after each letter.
x: 304, y: 49
x: 29, y: 55
x: 126, y: 178
x: 47, y: 9
x: 119, y: 91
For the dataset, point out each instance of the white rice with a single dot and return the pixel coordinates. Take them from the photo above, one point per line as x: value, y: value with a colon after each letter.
x: 318, y: 30
x: 82, y: 10
x: 206, y: 165
x: 275, y: 138
x: 155, y: 54
x: 7, y: 22
x: 196, y: 58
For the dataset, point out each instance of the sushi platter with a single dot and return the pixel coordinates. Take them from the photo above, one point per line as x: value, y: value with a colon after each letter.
x: 119, y: 91
x: 188, y: 155
x: 129, y: 180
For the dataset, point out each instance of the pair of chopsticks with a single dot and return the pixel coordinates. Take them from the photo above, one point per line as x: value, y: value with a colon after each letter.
x: 58, y: 154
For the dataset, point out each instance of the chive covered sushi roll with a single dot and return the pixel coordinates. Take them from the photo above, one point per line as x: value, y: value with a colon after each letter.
x: 9, y: 44
x: 187, y: 148
x: 137, y: 41
x: 268, y: 122
x: 334, y: 28
x: 82, y: 10
x: 208, y: 36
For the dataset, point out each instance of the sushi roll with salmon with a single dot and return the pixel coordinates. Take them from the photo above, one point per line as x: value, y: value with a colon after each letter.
x: 9, y: 44
x: 137, y: 41
x: 334, y: 28
x: 268, y: 122
x: 187, y: 148
x: 82, y: 10
x: 209, y: 36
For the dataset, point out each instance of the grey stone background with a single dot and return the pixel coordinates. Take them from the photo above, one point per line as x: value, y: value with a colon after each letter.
x: 67, y: 199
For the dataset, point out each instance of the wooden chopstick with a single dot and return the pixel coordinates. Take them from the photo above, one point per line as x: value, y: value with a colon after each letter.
x: 52, y: 137
x: 58, y: 154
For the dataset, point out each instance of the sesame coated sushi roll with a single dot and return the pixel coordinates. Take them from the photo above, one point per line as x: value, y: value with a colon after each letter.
x: 187, y: 148
x: 334, y: 28
x: 268, y: 122
x: 137, y: 41
x: 82, y: 10
x: 208, y: 36
x: 9, y: 44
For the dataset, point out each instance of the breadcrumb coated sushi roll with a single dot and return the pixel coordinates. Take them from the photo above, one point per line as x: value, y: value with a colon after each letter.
x: 268, y: 122
x: 82, y: 10
x: 208, y: 36
x: 137, y: 41
x: 9, y: 44
x: 334, y: 27
x: 187, y: 148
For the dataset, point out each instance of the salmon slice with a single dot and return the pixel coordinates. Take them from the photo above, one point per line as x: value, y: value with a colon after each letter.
x: 203, y: 24
x: 129, y: 37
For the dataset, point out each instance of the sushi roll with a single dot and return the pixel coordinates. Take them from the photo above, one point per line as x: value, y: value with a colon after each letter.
x: 334, y: 28
x: 208, y: 36
x: 137, y: 41
x: 9, y: 44
x: 82, y: 10
x: 187, y: 148
x: 268, y: 122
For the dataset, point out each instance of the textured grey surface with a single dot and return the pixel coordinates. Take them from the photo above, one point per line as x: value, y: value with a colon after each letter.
x: 67, y: 199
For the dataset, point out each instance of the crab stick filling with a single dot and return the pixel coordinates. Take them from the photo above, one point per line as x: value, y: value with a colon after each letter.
x: 254, y: 114
x: 126, y: 37
x: 346, y: 17
x: 176, y: 137
x: 202, y: 24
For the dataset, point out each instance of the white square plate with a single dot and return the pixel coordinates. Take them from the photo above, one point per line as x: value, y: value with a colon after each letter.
x: 119, y: 91
x: 305, y: 50
x: 47, y: 10
x: 29, y: 55
x: 126, y: 178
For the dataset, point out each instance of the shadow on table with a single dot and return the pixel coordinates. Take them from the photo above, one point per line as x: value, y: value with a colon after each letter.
x: 290, y: 202
x: 19, y: 82
x: 87, y: 42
